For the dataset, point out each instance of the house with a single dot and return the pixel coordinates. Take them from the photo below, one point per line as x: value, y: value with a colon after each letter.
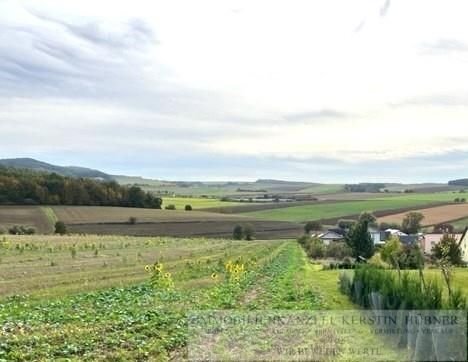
x: 379, y: 237
x: 430, y: 240
x: 331, y: 236
x: 463, y: 244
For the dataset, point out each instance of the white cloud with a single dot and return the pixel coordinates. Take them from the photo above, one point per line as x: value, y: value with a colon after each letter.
x: 245, y: 78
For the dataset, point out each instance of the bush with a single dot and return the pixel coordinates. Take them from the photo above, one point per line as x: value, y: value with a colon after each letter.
x: 338, y: 250
x: 249, y: 232
x: 132, y: 220
x: 60, y: 228
x: 188, y: 208
x: 170, y: 207
x: 315, y: 248
x: 2, y: 231
x: 238, y: 232
x: 346, y: 224
x: 21, y: 230
x: 312, y: 226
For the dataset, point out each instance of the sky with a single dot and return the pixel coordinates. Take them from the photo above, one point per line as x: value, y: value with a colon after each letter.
x: 320, y: 91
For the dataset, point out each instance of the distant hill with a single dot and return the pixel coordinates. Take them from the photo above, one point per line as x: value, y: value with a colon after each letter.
x: 70, y: 171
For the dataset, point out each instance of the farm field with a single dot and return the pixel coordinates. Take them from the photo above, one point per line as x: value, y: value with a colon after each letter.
x: 352, y: 208
x: 434, y: 215
x: 101, y: 307
x: 196, y: 203
x: 114, y: 220
x: 33, y: 216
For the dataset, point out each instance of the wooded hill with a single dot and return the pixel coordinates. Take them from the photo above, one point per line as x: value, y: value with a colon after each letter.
x: 28, y: 187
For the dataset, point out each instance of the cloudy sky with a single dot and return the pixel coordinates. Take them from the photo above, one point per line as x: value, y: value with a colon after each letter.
x: 328, y: 91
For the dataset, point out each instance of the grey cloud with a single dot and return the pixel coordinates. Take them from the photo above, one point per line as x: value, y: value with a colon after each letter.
x: 360, y: 26
x: 439, y: 100
x: 315, y: 115
x: 133, y: 33
x: 444, y: 46
x: 385, y: 7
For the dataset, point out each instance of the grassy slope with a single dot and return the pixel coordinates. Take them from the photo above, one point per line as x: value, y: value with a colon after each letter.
x: 339, y: 209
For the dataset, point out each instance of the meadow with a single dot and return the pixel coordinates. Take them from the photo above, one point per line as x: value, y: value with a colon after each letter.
x: 352, y: 208
x: 86, y: 305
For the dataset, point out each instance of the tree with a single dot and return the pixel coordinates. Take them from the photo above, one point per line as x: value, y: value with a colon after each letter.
x: 60, y: 228
x: 412, y: 222
x: 444, y: 228
x: 238, y: 232
x: 312, y: 226
x: 170, y: 207
x: 188, y: 207
x: 360, y: 241
x: 368, y: 217
x: 388, y: 225
x: 249, y: 232
x: 391, y: 251
x: 346, y: 224
x: 448, y: 248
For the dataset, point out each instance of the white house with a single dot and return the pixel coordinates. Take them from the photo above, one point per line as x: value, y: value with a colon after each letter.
x: 464, y: 245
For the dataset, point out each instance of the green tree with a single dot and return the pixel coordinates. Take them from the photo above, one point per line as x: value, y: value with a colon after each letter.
x: 368, y: 217
x: 238, y: 232
x: 312, y: 226
x: 360, y: 241
x: 448, y: 248
x: 391, y: 251
x: 60, y: 228
x: 188, y: 208
x: 412, y: 222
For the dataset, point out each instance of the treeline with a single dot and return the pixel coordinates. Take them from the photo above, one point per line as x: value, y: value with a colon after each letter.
x: 364, y: 187
x: 460, y: 182
x: 27, y: 187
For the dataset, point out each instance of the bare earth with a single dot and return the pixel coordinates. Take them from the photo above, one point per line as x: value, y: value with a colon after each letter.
x: 433, y: 215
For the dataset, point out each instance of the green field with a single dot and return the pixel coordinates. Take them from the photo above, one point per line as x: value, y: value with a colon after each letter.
x: 196, y: 202
x: 341, y: 209
x: 98, y: 305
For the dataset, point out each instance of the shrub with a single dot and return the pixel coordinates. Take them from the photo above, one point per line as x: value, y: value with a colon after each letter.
x: 132, y: 220
x: 238, y: 232
x: 188, y: 208
x: 2, y: 231
x: 338, y: 250
x: 21, y: 230
x: 170, y: 207
x: 346, y: 224
x: 60, y: 228
x: 249, y: 232
x: 315, y: 248
x: 312, y: 226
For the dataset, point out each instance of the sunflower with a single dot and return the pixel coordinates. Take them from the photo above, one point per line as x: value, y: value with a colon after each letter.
x: 214, y: 276
x: 167, y: 275
x: 148, y: 268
